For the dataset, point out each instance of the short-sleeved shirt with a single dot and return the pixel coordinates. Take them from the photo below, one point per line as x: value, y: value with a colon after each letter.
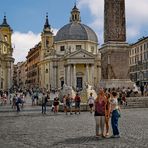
x: 91, y: 100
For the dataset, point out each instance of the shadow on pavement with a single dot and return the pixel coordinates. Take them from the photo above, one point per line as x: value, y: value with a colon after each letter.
x: 80, y: 140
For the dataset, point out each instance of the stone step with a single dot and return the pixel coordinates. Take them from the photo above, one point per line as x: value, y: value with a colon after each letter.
x: 137, y: 102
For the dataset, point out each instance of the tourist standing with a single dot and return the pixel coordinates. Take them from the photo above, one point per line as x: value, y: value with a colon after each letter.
x: 77, y: 103
x: 33, y: 100
x: 18, y: 102
x: 44, y: 103
x: 100, y: 113
x: 91, y: 102
x: 115, y: 115
x: 56, y: 104
x: 142, y: 89
x: 14, y: 101
x: 68, y: 104
x: 107, y: 113
x: 64, y: 103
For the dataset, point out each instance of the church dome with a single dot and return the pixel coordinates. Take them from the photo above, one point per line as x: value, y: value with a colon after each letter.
x: 75, y: 30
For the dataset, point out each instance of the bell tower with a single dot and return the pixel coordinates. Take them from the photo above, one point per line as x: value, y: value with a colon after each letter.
x: 7, y: 33
x: 46, y: 38
x: 7, y: 51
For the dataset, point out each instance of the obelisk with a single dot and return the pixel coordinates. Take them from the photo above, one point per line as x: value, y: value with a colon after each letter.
x: 114, y: 21
x: 114, y: 51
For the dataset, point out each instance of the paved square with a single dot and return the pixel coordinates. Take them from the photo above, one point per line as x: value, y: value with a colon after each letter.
x: 33, y: 130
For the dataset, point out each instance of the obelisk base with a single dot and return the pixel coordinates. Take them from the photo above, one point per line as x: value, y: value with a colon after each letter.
x: 116, y: 83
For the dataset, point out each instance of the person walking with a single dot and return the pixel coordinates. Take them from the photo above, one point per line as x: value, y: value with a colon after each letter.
x: 18, y: 102
x: 115, y: 110
x: 77, y: 103
x: 100, y: 113
x: 91, y: 102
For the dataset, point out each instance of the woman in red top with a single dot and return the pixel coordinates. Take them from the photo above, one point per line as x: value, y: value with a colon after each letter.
x: 77, y: 103
x: 100, y: 113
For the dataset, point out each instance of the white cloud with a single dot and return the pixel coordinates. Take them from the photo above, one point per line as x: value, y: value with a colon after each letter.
x: 137, y: 12
x: 23, y: 42
x: 136, y: 16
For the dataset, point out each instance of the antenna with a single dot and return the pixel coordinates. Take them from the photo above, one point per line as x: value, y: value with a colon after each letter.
x: 75, y: 2
x: 4, y: 13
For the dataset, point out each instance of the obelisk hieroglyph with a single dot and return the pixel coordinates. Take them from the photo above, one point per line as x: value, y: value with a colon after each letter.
x: 114, y: 21
x: 114, y: 51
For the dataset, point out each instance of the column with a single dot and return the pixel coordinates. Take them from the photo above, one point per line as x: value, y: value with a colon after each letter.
x: 64, y: 74
x: 74, y: 76
x: 92, y: 74
x: 87, y: 73
x: 8, y: 74
x: 0, y: 75
x: 9, y: 78
x: 71, y: 76
x: 68, y: 75
x: 56, y: 77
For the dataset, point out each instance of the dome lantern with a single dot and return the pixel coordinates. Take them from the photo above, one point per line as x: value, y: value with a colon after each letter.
x: 75, y: 15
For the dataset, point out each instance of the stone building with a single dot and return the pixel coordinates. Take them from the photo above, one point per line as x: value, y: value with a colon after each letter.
x: 20, y: 74
x: 138, y: 61
x: 6, y: 59
x: 71, y: 57
x: 32, y: 70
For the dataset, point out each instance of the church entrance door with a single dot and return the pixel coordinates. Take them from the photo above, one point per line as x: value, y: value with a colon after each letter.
x: 79, y: 83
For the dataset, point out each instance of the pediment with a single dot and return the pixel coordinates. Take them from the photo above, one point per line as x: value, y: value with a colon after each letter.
x: 80, y: 54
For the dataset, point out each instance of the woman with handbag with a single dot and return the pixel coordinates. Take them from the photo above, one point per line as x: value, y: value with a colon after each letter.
x: 115, y: 110
x: 100, y: 113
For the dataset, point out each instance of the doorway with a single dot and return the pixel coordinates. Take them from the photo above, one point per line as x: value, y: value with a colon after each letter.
x: 79, y: 83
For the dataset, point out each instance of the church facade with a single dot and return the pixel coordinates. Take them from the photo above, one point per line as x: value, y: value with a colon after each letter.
x: 71, y: 57
x: 6, y: 59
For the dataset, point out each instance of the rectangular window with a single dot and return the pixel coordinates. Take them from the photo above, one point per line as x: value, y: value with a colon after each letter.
x: 144, y: 46
x: 62, y: 48
x: 92, y: 49
x: 78, y: 47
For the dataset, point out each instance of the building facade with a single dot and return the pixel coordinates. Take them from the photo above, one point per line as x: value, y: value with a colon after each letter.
x: 138, y: 61
x: 6, y: 59
x: 71, y: 57
x: 31, y: 67
x: 20, y: 75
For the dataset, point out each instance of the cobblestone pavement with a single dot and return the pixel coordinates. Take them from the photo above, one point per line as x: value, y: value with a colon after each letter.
x: 31, y: 129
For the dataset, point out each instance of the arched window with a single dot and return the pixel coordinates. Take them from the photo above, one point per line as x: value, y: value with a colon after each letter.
x: 46, y: 70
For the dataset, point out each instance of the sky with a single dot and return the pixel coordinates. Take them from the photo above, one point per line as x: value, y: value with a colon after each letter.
x: 27, y: 18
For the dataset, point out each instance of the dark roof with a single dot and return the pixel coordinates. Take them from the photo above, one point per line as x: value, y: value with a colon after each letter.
x: 46, y: 25
x: 139, y: 40
x: 76, y: 31
x: 4, y: 24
